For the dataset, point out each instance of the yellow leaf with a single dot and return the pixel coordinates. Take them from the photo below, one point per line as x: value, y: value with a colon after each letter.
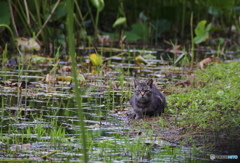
x: 95, y: 59
x: 80, y: 78
x: 140, y: 59
x: 38, y: 59
x: 65, y: 78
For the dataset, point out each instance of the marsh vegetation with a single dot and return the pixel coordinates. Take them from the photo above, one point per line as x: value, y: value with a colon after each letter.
x: 67, y: 72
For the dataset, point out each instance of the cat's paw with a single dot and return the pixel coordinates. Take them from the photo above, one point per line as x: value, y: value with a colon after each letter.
x: 137, y: 117
x: 131, y: 115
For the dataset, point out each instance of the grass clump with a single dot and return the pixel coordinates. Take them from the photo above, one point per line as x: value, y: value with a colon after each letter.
x: 212, y: 109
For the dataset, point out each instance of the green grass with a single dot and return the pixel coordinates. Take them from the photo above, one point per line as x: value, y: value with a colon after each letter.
x: 71, y: 49
x: 212, y: 108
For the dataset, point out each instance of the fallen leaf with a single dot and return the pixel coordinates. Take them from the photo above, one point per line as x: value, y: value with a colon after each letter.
x: 183, y: 83
x: 203, y: 63
x: 66, y: 69
x: 50, y: 79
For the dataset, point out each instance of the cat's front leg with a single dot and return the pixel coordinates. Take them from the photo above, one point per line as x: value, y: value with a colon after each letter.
x: 138, y: 114
x: 135, y: 116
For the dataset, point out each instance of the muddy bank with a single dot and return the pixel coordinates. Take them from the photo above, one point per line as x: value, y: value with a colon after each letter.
x: 220, y: 142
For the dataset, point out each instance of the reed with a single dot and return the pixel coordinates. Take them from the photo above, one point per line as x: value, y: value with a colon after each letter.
x: 71, y: 49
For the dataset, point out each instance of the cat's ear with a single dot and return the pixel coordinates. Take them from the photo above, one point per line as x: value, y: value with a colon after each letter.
x: 150, y: 83
x: 136, y: 83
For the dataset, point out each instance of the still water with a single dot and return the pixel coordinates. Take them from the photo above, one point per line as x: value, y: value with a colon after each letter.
x: 40, y: 121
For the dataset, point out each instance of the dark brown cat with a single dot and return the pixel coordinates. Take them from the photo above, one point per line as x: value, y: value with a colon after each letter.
x: 147, y: 100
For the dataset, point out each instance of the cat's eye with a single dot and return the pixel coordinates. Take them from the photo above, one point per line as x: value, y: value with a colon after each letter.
x: 137, y: 91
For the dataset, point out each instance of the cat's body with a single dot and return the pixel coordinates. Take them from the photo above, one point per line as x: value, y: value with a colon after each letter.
x: 147, y: 100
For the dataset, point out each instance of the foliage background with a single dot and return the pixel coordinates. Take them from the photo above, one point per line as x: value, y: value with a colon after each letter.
x: 148, y: 22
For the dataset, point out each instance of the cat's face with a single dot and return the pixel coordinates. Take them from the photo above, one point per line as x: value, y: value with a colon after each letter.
x: 143, y: 91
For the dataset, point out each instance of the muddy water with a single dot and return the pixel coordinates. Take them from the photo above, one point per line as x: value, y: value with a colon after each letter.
x: 42, y: 119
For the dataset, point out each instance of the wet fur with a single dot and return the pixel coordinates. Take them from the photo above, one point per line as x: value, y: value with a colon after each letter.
x: 147, y: 100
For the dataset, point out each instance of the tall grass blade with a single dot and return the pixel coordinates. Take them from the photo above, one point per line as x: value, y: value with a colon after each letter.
x: 71, y: 49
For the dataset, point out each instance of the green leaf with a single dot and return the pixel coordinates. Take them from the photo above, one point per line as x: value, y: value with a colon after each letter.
x: 99, y: 4
x: 119, y: 21
x: 143, y: 17
x: 180, y: 58
x: 213, y: 11
x: 160, y: 26
x: 111, y: 35
x: 60, y: 11
x: 5, y: 13
x: 38, y: 59
x: 131, y: 36
x: 199, y: 39
x: 200, y: 29
x: 209, y: 27
x: 202, y: 33
x: 139, y: 31
x: 221, y: 4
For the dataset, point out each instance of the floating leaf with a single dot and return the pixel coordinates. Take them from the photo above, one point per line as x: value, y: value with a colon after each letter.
x: 95, y: 59
x: 99, y: 4
x: 80, y: 78
x: 38, y: 59
x: 27, y: 44
x: 50, y: 79
x: 119, y: 21
x: 65, y: 78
